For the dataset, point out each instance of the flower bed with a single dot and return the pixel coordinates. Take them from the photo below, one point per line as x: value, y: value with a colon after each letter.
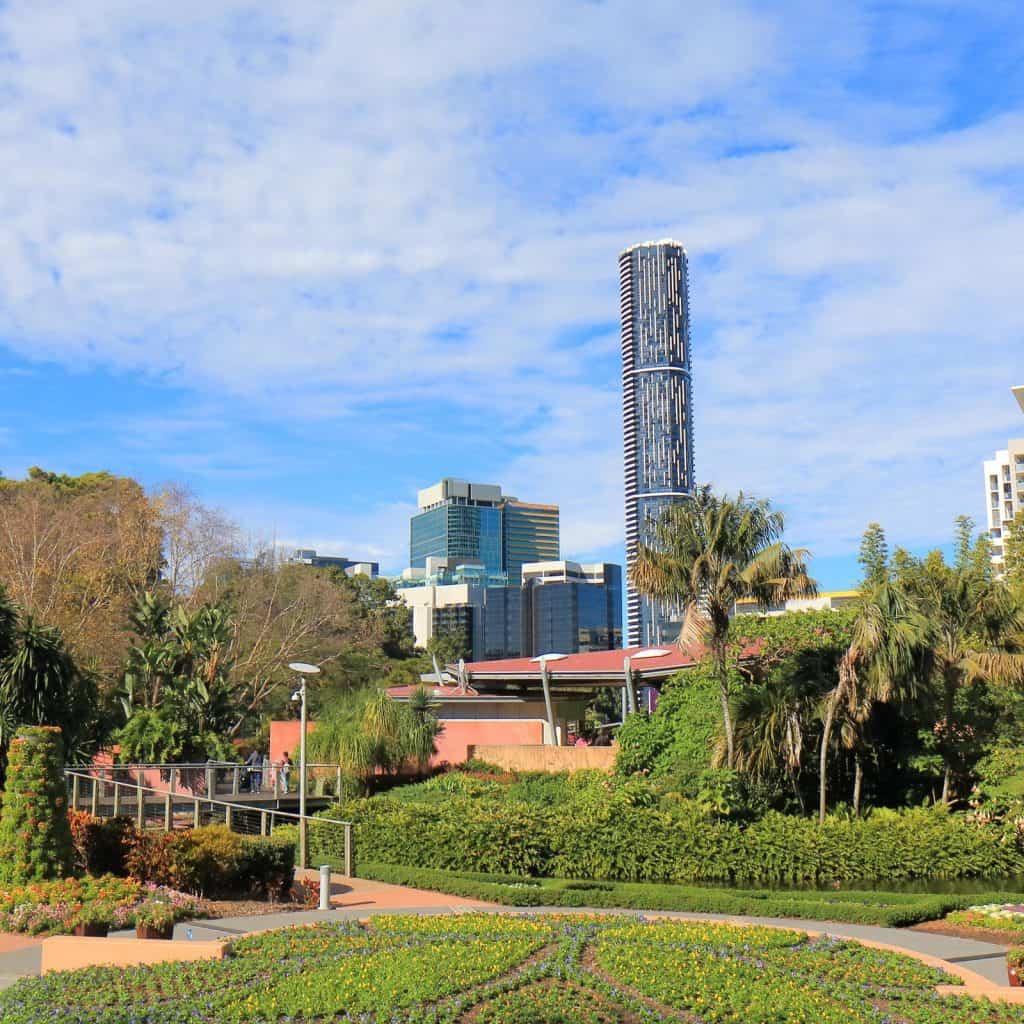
x: 486, y: 969
x: 53, y: 908
x: 1005, y: 917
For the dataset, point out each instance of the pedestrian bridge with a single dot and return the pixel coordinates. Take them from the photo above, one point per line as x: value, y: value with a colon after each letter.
x: 250, y: 801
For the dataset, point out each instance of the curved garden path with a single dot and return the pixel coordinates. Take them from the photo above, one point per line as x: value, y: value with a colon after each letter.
x: 360, y: 898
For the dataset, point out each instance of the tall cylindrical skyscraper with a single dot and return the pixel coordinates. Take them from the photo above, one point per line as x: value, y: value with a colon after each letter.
x: 656, y: 400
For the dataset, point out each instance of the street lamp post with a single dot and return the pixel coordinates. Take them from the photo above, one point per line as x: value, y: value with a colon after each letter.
x: 303, y: 670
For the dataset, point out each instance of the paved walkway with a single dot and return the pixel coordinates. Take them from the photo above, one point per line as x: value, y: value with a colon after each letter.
x: 352, y: 899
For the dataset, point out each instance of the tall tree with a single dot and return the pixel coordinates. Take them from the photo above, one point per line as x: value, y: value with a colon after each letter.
x: 40, y: 684
x: 884, y: 663
x: 874, y: 555
x: 708, y: 552
x: 278, y: 614
x: 195, y: 538
x: 74, y: 551
x: 974, y: 631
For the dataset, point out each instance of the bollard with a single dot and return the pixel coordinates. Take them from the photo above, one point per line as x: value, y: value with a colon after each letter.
x: 325, y: 886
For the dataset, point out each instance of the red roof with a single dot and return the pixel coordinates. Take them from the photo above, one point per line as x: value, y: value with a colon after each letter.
x: 644, y: 662
x: 594, y: 663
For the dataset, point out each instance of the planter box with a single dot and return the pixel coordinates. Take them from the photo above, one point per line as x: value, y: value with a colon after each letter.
x: 92, y: 931
x: 67, y: 953
x: 147, y: 931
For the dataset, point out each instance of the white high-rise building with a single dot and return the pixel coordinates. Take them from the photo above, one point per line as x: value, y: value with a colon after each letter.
x: 1004, y: 489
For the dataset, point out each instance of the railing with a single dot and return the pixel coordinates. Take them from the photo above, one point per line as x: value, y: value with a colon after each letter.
x: 224, y: 778
x: 167, y: 809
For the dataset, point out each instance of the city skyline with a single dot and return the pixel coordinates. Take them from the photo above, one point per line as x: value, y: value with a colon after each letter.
x: 327, y: 265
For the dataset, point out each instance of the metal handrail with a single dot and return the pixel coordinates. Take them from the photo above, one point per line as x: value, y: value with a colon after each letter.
x: 187, y: 764
x: 73, y: 773
x: 169, y: 796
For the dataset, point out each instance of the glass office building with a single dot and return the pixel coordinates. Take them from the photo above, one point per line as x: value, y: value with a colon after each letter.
x: 656, y: 395
x: 570, y: 608
x: 457, y: 531
x: 530, y: 534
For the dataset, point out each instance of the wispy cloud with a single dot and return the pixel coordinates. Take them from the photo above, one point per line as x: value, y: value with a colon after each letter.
x: 393, y: 228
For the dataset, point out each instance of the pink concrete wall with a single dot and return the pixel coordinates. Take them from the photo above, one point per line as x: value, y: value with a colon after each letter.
x: 458, y: 735
x: 284, y: 738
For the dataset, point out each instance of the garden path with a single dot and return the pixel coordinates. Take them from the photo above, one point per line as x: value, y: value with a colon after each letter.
x: 358, y: 898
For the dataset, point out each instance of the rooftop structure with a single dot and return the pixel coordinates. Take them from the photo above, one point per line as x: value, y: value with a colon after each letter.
x: 309, y: 556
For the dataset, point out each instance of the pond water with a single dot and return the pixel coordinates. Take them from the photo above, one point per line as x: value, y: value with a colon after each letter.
x: 938, y: 886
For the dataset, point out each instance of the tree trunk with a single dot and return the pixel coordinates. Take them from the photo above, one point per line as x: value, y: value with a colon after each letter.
x: 826, y: 735
x: 858, y: 778
x: 796, y: 792
x: 949, y: 700
x: 723, y: 687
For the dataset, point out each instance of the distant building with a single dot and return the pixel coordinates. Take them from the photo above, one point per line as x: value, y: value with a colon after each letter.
x: 656, y: 403
x: 830, y: 600
x: 471, y: 522
x: 308, y: 556
x: 561, y: 606
x: 465, y: 598
x: 1004, y: 490
x: 568, y: 608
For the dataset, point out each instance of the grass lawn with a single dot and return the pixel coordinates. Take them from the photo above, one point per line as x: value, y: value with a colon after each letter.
x: 513, y: 970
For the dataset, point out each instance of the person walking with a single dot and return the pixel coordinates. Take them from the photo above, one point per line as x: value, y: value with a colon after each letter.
x: 286, y: 770
x: 254, y: 773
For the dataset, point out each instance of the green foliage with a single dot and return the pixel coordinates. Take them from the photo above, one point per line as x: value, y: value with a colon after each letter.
x: 367, y: 732
x: 35, y: 837
x: 208, y: 860
x: 449, y: 646
x: 707, y: 552
x: 874, y: 556
x: 40, y: 684
x: 610, y: 831
x: 677, y: 740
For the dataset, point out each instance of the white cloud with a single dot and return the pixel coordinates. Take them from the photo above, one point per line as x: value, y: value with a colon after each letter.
x: 330, y: 209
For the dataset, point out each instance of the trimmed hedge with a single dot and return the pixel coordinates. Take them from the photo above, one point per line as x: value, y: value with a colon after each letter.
x: 612, y: 840
x: 877, y: 908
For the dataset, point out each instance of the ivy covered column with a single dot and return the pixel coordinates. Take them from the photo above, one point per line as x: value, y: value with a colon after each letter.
x: 35, y: 835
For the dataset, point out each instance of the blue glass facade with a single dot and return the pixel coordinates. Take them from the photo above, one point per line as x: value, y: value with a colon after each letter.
x: 657, y: 407
x: 573, y: 615
x: 472, y: 532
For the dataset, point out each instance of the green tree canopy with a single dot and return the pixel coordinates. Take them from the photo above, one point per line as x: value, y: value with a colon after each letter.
x: 706, y: 553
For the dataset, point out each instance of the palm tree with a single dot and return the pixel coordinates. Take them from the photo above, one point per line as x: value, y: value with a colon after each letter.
x: 885, y: 662
x: 707, y: 553
x: 771, y: 729
x: 975, y: 632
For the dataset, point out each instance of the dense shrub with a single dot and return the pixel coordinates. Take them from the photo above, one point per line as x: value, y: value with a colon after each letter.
x: 35, y: 837
x: 208, y: 861
x: 266, y: 867
x: 607, y: 834
x: 101, y: 844
x: 675, y: 742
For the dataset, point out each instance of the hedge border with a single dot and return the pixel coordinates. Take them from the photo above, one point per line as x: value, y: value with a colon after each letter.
x: 893, y: 910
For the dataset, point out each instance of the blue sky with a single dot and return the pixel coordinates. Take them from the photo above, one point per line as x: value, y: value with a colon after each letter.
x: 310, y: 257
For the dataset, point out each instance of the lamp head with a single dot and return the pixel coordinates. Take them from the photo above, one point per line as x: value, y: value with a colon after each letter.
x: 303, y: 669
